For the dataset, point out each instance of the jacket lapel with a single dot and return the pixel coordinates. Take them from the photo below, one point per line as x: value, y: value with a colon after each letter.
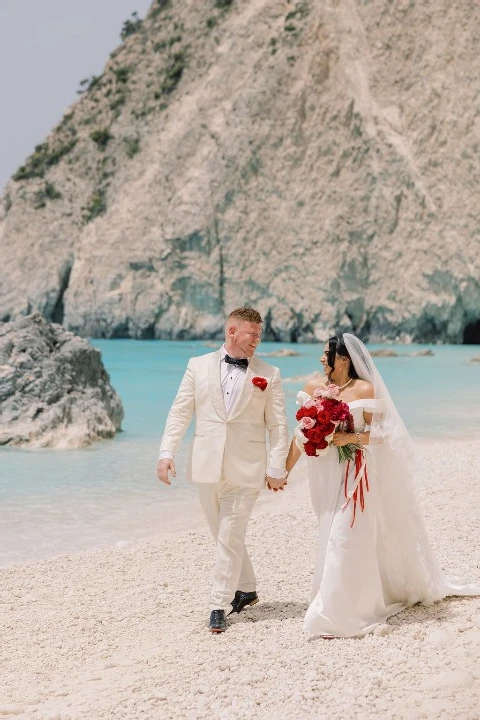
x: 247, y: 390
x: 215, y: 385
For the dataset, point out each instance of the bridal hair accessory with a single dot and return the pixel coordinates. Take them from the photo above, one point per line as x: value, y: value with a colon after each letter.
x: 260, y: 382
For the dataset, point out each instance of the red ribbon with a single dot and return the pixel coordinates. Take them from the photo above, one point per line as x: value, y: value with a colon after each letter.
x: 359, y: 493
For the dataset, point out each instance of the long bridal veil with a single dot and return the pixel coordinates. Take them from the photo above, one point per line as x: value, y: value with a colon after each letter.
x: 408, y: 564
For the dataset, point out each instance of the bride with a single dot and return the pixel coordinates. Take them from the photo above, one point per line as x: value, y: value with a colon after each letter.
x: 373, y: 557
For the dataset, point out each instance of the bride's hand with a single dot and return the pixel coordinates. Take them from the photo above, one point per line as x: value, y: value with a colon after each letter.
x: 342, y: 438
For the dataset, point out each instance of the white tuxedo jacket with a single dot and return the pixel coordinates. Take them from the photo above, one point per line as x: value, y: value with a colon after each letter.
x: 237, y: 442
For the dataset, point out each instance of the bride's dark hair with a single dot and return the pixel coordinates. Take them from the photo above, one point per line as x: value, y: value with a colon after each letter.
x: 336, y: 346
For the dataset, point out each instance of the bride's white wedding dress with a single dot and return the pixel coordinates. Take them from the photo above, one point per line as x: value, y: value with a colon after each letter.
x: 351, y: 592
x: 373, y: 562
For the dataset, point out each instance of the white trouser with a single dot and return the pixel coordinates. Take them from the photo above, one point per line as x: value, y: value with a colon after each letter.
x: 227, y: 509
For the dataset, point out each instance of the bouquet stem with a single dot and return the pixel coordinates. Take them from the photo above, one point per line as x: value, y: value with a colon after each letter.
x: 347, y: 452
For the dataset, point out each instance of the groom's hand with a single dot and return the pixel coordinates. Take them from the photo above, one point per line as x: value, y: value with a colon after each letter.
x: 275, y: 484
x: 163, y: 467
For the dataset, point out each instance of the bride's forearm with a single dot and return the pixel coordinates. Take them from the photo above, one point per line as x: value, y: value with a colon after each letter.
x: 292, y: 457
x: 363, y: 438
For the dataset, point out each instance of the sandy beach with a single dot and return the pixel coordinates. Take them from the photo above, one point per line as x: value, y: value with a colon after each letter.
x: 121, y: 632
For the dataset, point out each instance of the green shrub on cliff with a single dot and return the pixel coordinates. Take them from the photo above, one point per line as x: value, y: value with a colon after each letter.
x: 132, y: 146
x: 131, y: 26
x: 96, y: 206
x: 43, y: 158
x: 122, y: 73
x: 158, y: 6
x: 173, y: 73
x: 101, y: 138
x: 117, y: 103
x: 49, y: 192
x: 7, y: 202
x: 88, y: 84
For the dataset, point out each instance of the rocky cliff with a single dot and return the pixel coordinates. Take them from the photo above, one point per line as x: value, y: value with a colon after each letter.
x: 54, y: 390
x: 318, y: 160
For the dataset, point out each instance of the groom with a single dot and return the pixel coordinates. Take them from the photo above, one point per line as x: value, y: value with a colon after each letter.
x: 237, y: 399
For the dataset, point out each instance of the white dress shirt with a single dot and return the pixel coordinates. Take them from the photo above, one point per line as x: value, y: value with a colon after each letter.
x: 232, y: 379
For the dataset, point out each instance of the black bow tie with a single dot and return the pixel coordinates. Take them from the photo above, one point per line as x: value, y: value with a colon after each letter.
x: 239, y: 362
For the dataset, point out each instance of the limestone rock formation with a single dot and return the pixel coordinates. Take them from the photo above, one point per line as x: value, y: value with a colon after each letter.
x: 423, y: 353
x: 384, y: 352
x: 318, y: 160
x: 54, y: 390
x: 283, y: 352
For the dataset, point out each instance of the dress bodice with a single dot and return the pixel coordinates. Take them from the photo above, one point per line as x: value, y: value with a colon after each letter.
x: 356, y: 408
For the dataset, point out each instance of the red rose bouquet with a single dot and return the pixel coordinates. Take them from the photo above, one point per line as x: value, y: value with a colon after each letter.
x: 319, y: 418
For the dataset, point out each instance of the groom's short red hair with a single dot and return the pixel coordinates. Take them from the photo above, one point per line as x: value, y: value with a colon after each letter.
x: 246, y: 313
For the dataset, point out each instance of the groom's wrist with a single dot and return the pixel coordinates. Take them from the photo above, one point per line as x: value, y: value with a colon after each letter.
x: 165, y: 455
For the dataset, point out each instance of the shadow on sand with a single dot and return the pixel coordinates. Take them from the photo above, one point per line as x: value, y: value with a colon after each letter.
x: 285, y: 610
x: 420, y: 615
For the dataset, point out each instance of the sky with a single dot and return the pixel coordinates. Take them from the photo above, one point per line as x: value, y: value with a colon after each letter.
x: 46, y: 48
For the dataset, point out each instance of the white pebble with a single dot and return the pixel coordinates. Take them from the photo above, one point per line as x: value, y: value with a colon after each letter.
x: 452, y: 679
x: 471, y: 636
x: 438, y: 639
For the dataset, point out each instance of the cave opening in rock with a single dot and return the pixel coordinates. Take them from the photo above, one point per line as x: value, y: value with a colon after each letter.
x: 471, y: 333
x: 58, y: 311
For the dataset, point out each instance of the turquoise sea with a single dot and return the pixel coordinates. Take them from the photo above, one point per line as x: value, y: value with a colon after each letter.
x: 56, y: 502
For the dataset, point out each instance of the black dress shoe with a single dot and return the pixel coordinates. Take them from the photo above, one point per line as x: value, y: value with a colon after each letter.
x: 242, y: 599
x: 218, y: 623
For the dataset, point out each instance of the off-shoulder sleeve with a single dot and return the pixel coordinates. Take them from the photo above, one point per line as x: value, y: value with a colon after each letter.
x: 369, y: 404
